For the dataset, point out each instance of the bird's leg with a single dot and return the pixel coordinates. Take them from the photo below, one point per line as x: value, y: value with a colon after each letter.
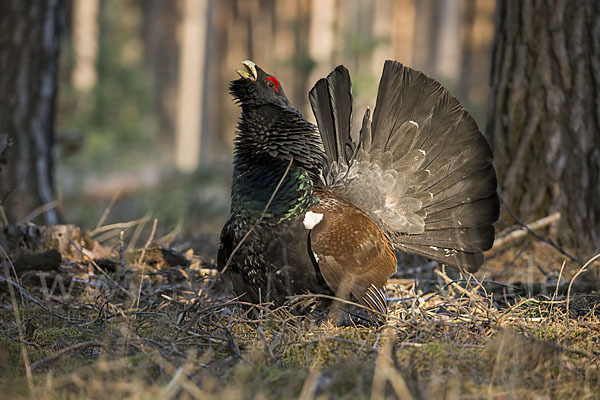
x: 286, y: 270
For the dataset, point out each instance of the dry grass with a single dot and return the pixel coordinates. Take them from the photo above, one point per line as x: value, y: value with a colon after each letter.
x: 179, y: 336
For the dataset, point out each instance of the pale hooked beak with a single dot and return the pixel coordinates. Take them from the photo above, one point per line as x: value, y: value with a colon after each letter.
x: 250, y: 72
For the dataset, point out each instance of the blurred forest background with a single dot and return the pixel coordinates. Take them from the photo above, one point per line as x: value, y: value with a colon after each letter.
x: 144, y: 124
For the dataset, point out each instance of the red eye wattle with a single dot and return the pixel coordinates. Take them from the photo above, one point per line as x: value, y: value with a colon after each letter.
x: 275, y: 83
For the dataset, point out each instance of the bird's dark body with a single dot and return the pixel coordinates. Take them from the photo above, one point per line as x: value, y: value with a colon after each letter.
x: 272, y: 263
x: 316, y: 211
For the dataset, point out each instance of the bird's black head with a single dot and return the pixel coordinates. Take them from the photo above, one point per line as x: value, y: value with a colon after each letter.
x: 271, y: 131
x: 256, y: 88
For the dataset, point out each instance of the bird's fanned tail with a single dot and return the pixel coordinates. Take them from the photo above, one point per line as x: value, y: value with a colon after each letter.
x: 420, y: 169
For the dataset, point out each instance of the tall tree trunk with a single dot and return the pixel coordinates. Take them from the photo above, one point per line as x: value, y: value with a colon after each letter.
x: 160, y: 22
x: 301, y: 62
x: 322, y: 37
x: 85, y: 43
x: 404, y: 31
x: 544, y: 118
x: 191, y: 81
x: 448, y: 49
x: 466, y: 57
x: 425, y: 36
x: 29, y: 43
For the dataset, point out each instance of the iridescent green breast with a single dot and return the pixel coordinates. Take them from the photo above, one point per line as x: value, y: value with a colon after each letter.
x: 252, y: 189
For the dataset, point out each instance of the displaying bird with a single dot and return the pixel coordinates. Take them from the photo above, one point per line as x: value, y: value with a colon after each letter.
x: 316, y: 211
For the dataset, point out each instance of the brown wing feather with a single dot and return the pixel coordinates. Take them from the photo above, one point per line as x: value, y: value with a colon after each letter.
x: 352, y: 252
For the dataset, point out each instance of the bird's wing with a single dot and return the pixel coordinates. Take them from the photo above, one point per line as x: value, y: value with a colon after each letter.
x: 352, y: 253
x: 420, y: 169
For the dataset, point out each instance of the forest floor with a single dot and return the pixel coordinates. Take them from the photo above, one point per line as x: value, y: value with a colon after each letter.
x: 153, y: 326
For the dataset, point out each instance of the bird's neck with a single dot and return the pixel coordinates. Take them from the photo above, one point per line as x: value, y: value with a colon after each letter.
x: 286, y: 190
x: 278, y: 155
x: 270, y: 132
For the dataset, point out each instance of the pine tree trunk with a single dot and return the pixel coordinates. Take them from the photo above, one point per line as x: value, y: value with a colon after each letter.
x: 161, y: 59
x: 29, y: 43
x: 85, y: 43
x: 192, y: 55
x: 544, y: 118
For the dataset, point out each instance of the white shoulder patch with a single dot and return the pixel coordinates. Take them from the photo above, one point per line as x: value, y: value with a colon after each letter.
x: 311, y: 219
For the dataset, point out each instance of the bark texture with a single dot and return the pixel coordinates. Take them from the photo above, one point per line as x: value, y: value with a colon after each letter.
x: 544, y: 120
x: 29, y: 43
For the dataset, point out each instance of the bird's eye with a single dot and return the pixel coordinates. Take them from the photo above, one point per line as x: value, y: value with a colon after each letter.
x: 272, y: 82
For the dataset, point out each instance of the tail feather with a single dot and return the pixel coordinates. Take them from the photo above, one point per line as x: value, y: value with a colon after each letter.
x: 365, y: 132
x: 470, y: 240
x: 472, y: 215
x: 420, y: 168
x: 468, y: 261
x: 402, y: 96
x: 474, y: 187
x: 331, y: 102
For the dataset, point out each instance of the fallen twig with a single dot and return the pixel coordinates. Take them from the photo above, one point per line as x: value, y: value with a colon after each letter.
x: 26, y: 294
x: 65, y: 350
x: 519, y: 233
x: 108, y: 208
x: 137, y: 302
x: 533, y: 233
x: 119, y: 226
